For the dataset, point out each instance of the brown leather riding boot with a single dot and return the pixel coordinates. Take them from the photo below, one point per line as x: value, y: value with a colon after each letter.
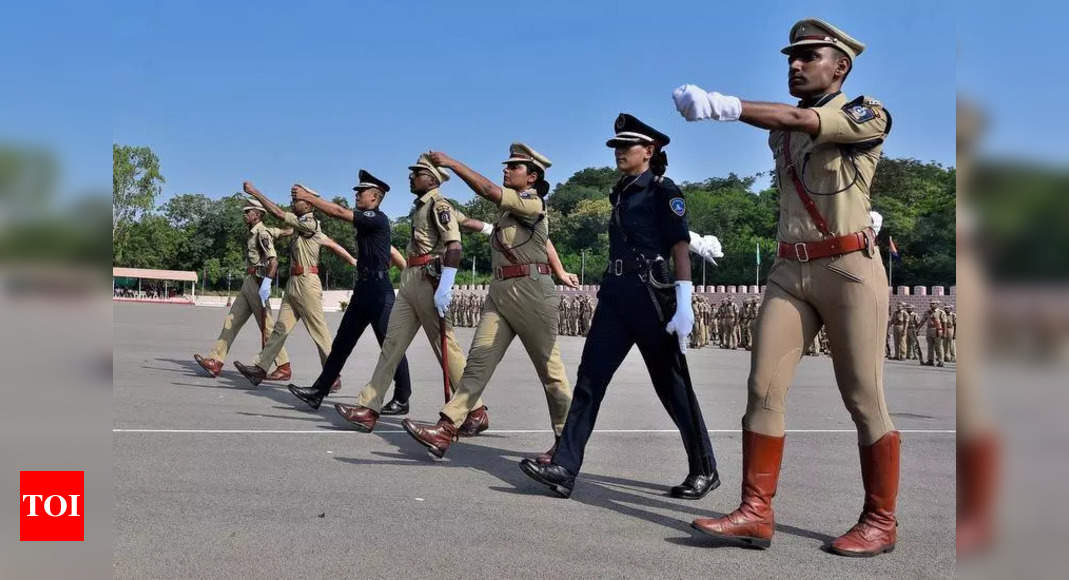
x: 436, y: 438
x: 547, y: 457
x: 476, y: 422
x: 362, y: 418
x: 282, y: 373
x: 753, y: 522
x: 876, y: 529
x: 214, y: 367
x: 254, y: 373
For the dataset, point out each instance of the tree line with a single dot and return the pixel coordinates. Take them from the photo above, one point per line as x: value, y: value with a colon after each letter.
x: 195, y: 232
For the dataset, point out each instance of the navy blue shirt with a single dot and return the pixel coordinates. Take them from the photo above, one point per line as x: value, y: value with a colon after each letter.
x: 372, y: 240
x: 652, y: 211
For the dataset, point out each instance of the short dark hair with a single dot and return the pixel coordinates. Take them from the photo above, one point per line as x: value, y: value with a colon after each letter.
x: 839, y: 53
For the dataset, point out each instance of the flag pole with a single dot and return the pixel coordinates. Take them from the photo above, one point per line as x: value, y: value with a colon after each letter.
x: 757, y: 268
x: 890, y: 277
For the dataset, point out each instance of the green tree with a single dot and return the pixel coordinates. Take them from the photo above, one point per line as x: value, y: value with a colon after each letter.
x: 136, y: 181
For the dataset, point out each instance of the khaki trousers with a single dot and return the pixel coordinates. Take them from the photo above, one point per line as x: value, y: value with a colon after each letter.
x: 303, y: 301
x: 413, y: 309
x: 848, y: 295
x: 523, y: 307
x: 246, y: 303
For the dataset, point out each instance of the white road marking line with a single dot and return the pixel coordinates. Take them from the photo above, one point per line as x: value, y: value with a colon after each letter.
x: 502, y: 431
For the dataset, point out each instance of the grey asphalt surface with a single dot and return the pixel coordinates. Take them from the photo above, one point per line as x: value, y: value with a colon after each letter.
x: 326, y: 501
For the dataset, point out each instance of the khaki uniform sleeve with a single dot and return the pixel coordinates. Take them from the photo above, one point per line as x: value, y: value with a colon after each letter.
x: 266, y: 242
x: 527, y: 204
x: 293, y: 221
x: 445, y: 219
x: 854, y: 123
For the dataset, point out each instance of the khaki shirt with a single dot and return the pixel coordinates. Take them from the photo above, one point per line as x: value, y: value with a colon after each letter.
x: 521, y: 230
x: 260, y: 247
x: 935, y: 320
x: 842, y: 156
x: 435, y: 223
x: 305, y: 242
x: 900, y: 318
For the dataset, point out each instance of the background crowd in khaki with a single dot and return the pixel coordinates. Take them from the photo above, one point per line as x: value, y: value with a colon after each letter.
x: 729, y: 325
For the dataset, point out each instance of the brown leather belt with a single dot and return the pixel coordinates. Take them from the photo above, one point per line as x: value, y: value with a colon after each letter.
x: 519, y: 270
x: 806, y: 251
x: 251, y: 270
x: 298, y: 270
x: 420, y: 260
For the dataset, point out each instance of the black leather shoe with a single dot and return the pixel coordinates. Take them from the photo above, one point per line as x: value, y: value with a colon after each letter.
x: 394, y: 408
x: 695, y: 486
x: 559, y: 479
x: 310, y: 395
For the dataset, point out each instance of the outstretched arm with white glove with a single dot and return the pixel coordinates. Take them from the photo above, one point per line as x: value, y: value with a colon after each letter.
x: 696, y: 104
x: 682, y: 321
x: 708, y: 247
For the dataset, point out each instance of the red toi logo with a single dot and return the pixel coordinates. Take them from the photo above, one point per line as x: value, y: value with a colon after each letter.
x: 51, y: 506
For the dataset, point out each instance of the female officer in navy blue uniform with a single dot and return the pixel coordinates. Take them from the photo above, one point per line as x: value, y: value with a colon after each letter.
x: 635, y: 306
x: 373, y: 295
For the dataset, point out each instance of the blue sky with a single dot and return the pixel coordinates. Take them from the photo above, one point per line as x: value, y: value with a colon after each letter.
x: 277, y: 93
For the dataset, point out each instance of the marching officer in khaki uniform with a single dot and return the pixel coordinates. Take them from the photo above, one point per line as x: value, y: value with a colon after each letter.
x: 899, y: 321
x: 261, y: 262
x: 303, y: 299
x: 913, y: 324
x: 827, y: 271
x: 423, y: 300
x: 521, y: 300
x: 950, y: 350
x: 934, y: 323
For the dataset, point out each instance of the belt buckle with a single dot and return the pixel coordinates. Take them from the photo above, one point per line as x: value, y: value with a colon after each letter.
x: 798, y: 254
x: 618, y: 267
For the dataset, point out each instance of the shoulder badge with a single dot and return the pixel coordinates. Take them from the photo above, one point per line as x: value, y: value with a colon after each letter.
x: 444, y: 215
x: 369, y: 213
x: 528, y: 194
x: 678, y: 206
x: 862, y: 109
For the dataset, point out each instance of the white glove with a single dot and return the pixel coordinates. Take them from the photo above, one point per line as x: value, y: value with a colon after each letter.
x: 697, y: 105
x: 444, y: 294
x: 487, y: 229
x: 265, y: 290
x: 683, y: 320
x: 877, y: 221
x: 708, y: 247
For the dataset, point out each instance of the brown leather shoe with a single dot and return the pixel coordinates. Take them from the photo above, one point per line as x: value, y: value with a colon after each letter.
x: 334, y: 388
x: 753, y: 522
x: 436, y: 438
x: 212, y: 366
x: 282, y: 373
x: 254, y: 373
x: 362, y: 418
x: 876, y: 530
x: 476, y: 422
x: 547, y: 457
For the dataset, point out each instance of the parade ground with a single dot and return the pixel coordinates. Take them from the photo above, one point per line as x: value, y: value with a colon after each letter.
x: 216, y: 478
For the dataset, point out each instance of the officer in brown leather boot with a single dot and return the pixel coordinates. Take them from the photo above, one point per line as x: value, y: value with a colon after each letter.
x: 434, y: 252
x: 521, y: 302
x: 827, y: 273
x: 261, y: 262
